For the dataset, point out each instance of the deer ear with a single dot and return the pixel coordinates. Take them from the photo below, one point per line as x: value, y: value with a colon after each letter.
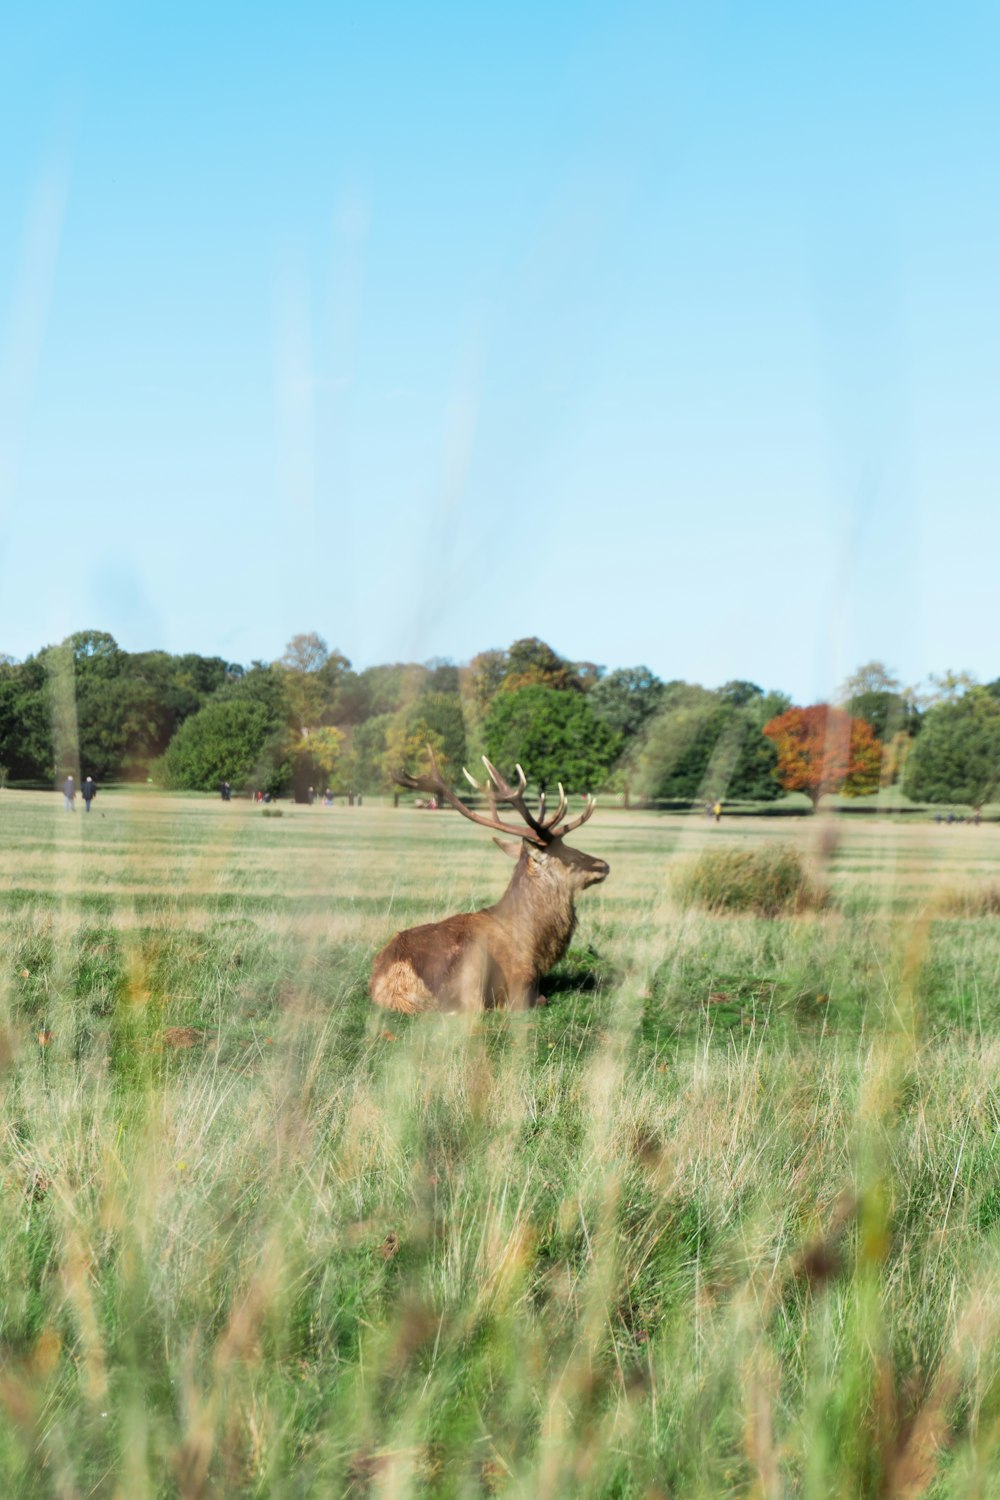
x: 511, y: 847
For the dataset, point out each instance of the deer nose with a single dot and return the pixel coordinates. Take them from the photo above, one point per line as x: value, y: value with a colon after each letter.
x: 601, y: 869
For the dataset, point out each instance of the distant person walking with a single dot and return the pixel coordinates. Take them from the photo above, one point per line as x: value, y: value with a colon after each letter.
x: 69, y: 794
x: 717, y: 811
x: 89, y: 792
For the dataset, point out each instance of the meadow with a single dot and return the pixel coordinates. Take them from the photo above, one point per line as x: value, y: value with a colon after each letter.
x: 721, y: 1218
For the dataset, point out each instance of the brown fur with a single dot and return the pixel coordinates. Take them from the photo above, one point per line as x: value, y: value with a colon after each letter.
x: 493, y: 957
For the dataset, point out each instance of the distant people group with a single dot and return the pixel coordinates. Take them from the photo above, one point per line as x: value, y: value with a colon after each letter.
x: 88, y: 792
x: 260, y: 797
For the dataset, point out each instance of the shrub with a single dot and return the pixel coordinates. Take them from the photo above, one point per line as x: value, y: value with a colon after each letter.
x: 769, y: 881
x: 221, y: 742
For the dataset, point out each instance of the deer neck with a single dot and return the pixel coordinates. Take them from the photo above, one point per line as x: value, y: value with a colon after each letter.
x: 538, y: 907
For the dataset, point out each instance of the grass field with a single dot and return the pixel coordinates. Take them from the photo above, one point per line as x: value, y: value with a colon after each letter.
x: 721, y: 1218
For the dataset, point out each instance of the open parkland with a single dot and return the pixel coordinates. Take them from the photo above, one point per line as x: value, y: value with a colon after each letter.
x: 721, y: 1217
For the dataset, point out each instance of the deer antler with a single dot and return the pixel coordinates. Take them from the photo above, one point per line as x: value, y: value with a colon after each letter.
x: 435, y: 782
x: 540, y: 829
x: 515, y: 796
x: 553, y: 819
x: 559, y: 833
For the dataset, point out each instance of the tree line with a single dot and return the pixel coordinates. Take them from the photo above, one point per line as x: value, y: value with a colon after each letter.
x: 309, y: 720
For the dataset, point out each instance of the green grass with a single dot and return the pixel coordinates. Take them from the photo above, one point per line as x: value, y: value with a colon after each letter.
x: 721, y: 1218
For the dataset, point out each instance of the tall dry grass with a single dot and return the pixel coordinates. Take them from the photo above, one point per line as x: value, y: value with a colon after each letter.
x: 722, y: 1218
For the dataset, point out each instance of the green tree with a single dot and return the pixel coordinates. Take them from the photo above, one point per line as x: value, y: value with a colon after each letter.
x: 554, y: 735
x: 227, y: 740
x: 442, y: 712
x: 348, y: 697
x: 263, y: 684
x: 874, y: 693
x: 956, y: 757
x: 406, y: 751
x: 26, y: 747
x: 114, y: 712
x: 746, y: 766
x: 85, y: 701
x: 740, y: 693
x: 442, y: 675
x: 762, y: 710
x: 393, y: 686
x: 672, y: 757
x: 242, y: 734
x: 95, y: 653
x: 345, y: 696
x: 157, y: 692
x: 361, y: 770
x: 626, y: 699
x: 704, y: 748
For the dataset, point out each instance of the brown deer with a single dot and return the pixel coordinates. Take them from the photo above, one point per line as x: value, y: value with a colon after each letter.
x: 493, y: 957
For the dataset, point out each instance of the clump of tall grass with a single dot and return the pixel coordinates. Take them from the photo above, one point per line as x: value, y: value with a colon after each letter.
x: 968, y: 901
x: 769, y: 882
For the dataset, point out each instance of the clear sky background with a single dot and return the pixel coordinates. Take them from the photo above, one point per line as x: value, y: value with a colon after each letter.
x: 668, y: 333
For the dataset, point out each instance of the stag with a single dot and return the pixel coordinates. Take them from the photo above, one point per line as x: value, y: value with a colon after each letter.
x: 494, y: 957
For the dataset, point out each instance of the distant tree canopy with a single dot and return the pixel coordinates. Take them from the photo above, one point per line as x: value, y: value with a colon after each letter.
x: 442, y: 714
x: 555, y: 735
x: 956, y: 757
x: 875, y: 694
x: 529, y: 662
x: 706, y: 747
x: 947, y: 686
x: 823, y: 749
x: 740, y: 693
x: 86, y: 705
x: 627, y: 699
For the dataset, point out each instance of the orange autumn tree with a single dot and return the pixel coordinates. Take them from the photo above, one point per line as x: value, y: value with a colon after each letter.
x: 822, y: 749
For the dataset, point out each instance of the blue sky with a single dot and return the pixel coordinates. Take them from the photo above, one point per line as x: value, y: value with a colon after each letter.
x: 668, y: 333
